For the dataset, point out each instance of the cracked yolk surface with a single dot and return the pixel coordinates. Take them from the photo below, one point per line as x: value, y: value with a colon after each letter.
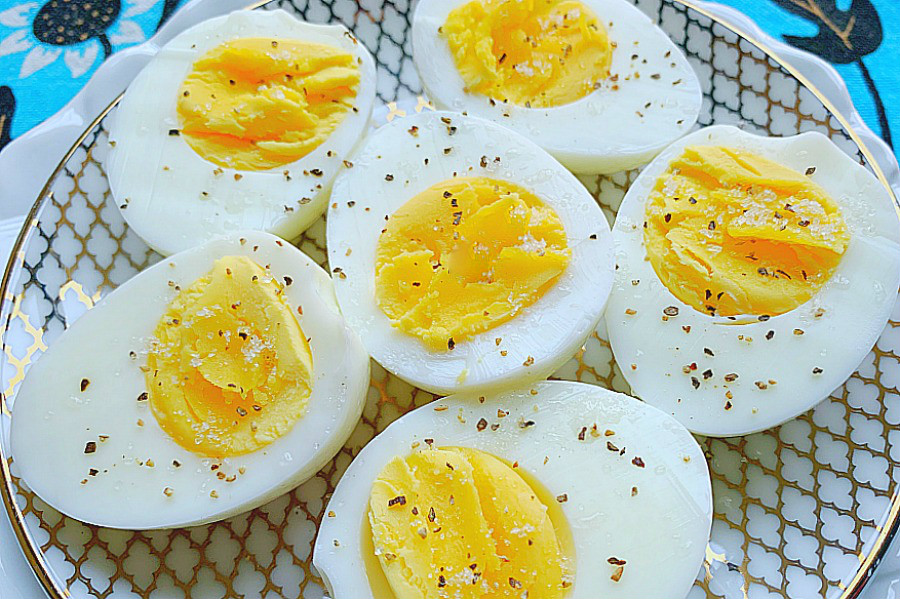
x: 533, y: 53
x: 230, y: 370
x: 464, y: 256
x: 458, y: 522
x: 261, y: 103
x: 732, y: 233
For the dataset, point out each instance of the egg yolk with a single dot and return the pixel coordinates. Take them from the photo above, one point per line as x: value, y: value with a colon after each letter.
x: 260, y: 103
x: 458, y: 522
x: 533, y: 53
x: 230, y: 370
x: 464, y: 256
x: 732, y: 233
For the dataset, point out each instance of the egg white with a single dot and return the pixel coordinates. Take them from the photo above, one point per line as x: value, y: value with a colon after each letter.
x: 852, y: 307
x: 543, y: 335
x: 52, y: 420
x: 607, y: 130
x: 661, y: 531
x: 173, y: 197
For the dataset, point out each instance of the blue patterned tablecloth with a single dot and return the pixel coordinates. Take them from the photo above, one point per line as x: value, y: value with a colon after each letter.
x: 49, y: 49
x: 861, y: 38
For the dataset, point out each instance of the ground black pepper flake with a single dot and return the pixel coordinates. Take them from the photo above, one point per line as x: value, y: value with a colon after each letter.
x: 708, y: 352
x: 637, y: 461
x: 817, y: 370
x: 671, y: 311
x: 770, y: 335
x: 610, y: 446
x: 398, y: 500
x: 84, y: 384
x: 695, y: 382
x: 562, y: 498
x: 451, y: 343
x: 389, y: 177
x: 143, y: 396
x: 810, y: 171
x: 90, y: 447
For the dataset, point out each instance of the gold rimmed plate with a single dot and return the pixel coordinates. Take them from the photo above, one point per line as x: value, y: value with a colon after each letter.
x: 805, y: 509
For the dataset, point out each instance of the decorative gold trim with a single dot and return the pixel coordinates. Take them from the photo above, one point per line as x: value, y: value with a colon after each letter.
x: 29, y: 546
x: 889, y: 528
x: 31, y: 549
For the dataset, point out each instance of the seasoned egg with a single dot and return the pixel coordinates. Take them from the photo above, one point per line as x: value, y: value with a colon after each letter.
x: 593, y: 82
x: 202, y: 387
x: 557, y: 490
x: 464, y: 255
x: 754, y: 275
x: 240, y: 122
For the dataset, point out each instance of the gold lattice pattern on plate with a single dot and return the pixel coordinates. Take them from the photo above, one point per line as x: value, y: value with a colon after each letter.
x: 797, y: 508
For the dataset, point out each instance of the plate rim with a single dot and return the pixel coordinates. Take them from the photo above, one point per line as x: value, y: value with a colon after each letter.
x: 725, y: 16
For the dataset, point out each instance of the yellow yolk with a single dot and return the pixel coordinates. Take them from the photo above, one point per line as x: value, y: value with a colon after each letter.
x: 460, y: 523
x: 732, y: 233
x: 256, y: 104
x: 534, y: 53
x: 464, y: 256
x: 231, y: 370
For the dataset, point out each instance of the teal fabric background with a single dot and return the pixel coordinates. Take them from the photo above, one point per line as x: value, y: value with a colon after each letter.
x: 49, y: 49
x: 865, y: 52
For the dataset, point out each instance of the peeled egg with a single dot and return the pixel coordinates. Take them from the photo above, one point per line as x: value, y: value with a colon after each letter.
x: 593, y: 82
x: 557, y: 490
x: 205, y: 386
x: 464, y: 255
x: 754, y: 275
x: 238, y: 123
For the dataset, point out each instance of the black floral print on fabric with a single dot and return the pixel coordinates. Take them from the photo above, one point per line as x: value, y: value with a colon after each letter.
x: 844, y: 37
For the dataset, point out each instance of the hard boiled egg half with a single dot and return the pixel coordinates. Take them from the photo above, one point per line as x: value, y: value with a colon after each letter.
x: 238, y: 123
x: 593, y: 82
x: 754, y: 275
x: 202, y: 387
x: 464, y: 255
x: 557, y: 490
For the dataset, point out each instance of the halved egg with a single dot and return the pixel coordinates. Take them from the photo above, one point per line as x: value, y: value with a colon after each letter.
x: 754, y: 275
x: 202, y: 387
x: 238, y: 123
x: 556, y: 490
x: 464, y: 255
x: 593, y: 82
